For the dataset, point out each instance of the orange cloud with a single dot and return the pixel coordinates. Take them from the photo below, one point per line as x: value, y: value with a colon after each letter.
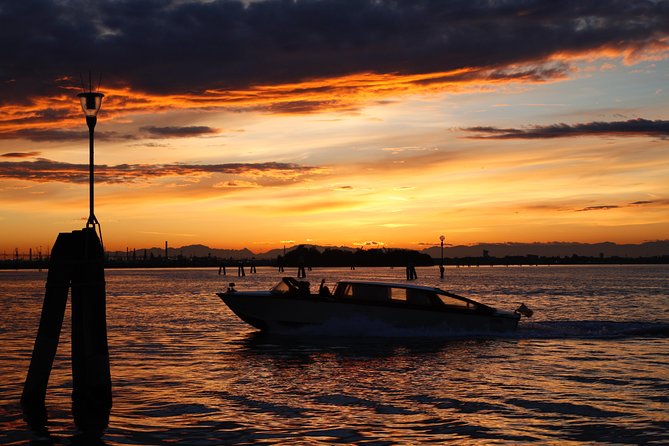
x: 343, y: 93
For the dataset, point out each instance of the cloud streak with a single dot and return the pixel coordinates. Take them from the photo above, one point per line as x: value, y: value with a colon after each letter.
x: 20, y: 154
x: 599, y: 208
x: 632, y: 127
x: 45, y: 171
x: 58, y: 135
x: 179, y: 132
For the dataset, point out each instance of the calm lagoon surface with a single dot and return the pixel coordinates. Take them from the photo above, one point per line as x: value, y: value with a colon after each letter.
x: 591, y: 366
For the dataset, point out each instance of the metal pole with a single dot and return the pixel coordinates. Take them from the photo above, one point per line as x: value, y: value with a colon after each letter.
x: 91, y: 121
x: 441, y: 266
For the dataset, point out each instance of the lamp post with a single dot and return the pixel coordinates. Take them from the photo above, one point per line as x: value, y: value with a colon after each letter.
x: 441, y: 265
x: 90, y: 104
x: 76, y: 264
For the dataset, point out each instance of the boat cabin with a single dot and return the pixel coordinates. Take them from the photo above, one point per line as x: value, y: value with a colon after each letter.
x: 391, y: 294
x: 411, y: 295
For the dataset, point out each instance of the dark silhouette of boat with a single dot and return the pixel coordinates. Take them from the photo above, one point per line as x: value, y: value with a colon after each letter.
x: 290, y: 304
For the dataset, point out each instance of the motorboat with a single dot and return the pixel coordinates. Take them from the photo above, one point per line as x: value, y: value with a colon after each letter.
x: 291, y: 305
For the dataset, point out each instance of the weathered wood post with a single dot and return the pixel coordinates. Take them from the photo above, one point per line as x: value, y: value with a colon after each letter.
x: 91, y: 378
x: 77, y: 261
x: 48, y: 333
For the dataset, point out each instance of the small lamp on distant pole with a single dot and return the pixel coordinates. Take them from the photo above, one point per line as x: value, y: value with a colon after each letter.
x: 90, y: 104
x: 441, y: 265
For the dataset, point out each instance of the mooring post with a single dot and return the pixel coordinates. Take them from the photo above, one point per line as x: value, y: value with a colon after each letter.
x: 48, y: 333
x: 91, y: 378
x: 77, y: 261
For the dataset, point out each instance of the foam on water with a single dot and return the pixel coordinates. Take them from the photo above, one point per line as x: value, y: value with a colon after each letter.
x: 592, y: 330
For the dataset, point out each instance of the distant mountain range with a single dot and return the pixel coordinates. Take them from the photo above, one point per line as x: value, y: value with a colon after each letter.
x: 552, y: 249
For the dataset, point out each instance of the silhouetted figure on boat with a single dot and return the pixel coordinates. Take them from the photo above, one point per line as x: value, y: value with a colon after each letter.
x: 323, y: 290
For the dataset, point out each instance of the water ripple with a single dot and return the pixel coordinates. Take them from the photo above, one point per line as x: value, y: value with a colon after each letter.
x: 589, y: 368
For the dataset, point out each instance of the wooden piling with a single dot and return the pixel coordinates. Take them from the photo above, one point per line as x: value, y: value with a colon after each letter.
x: 91, y: 379
x: 48, y: 333
x: 77, y: 261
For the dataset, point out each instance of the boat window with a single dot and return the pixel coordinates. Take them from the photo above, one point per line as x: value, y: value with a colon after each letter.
x: 363, y: 291
x: 370, y: 292
x: 398, y: 294
x: 344, y: 290
x: 453, y: 302
x: 419, y: 297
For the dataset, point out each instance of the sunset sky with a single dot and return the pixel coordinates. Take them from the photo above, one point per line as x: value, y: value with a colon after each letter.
x: 382, y: 123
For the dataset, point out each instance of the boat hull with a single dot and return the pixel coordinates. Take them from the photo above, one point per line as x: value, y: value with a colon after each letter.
x: 272, y: 313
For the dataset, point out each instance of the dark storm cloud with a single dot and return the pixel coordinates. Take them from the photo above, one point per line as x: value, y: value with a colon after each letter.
x: 191, y: 46
x: 632, y: 127
x: 179, y: 132
x: 45, y: 170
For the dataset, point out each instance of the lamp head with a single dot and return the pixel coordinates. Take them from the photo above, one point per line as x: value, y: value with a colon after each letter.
x: 90, y: 103
x: 442, y: 238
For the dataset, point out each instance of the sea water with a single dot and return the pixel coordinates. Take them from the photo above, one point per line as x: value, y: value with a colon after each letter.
x: 591, y: 366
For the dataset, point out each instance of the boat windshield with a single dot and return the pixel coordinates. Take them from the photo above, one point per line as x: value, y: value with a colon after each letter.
x: 452, y: 301
x: 289, y: 285
x: 281, y: 288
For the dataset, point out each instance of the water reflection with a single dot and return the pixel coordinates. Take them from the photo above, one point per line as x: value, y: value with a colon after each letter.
x: 186, y: 370
x: 296, y: 349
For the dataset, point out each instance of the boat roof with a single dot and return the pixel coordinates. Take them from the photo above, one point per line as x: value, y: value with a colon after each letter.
x: 392, y: 284
x: 414, y: 287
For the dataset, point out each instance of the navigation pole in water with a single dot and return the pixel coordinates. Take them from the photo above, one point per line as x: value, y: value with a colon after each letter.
x: 76, y: 264
x: 441, y: 264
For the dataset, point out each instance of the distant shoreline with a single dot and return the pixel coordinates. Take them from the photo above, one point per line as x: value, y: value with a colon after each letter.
x: 233, y: 264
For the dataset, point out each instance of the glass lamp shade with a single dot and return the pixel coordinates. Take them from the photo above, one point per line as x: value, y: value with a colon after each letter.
x: 442, y: 238
x: 90, y: 103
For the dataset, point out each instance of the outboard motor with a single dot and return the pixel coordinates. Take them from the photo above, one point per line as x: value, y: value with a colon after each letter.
x: 524, y: 310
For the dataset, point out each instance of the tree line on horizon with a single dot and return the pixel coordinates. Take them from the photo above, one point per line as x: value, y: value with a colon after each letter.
x: 312, y: 256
